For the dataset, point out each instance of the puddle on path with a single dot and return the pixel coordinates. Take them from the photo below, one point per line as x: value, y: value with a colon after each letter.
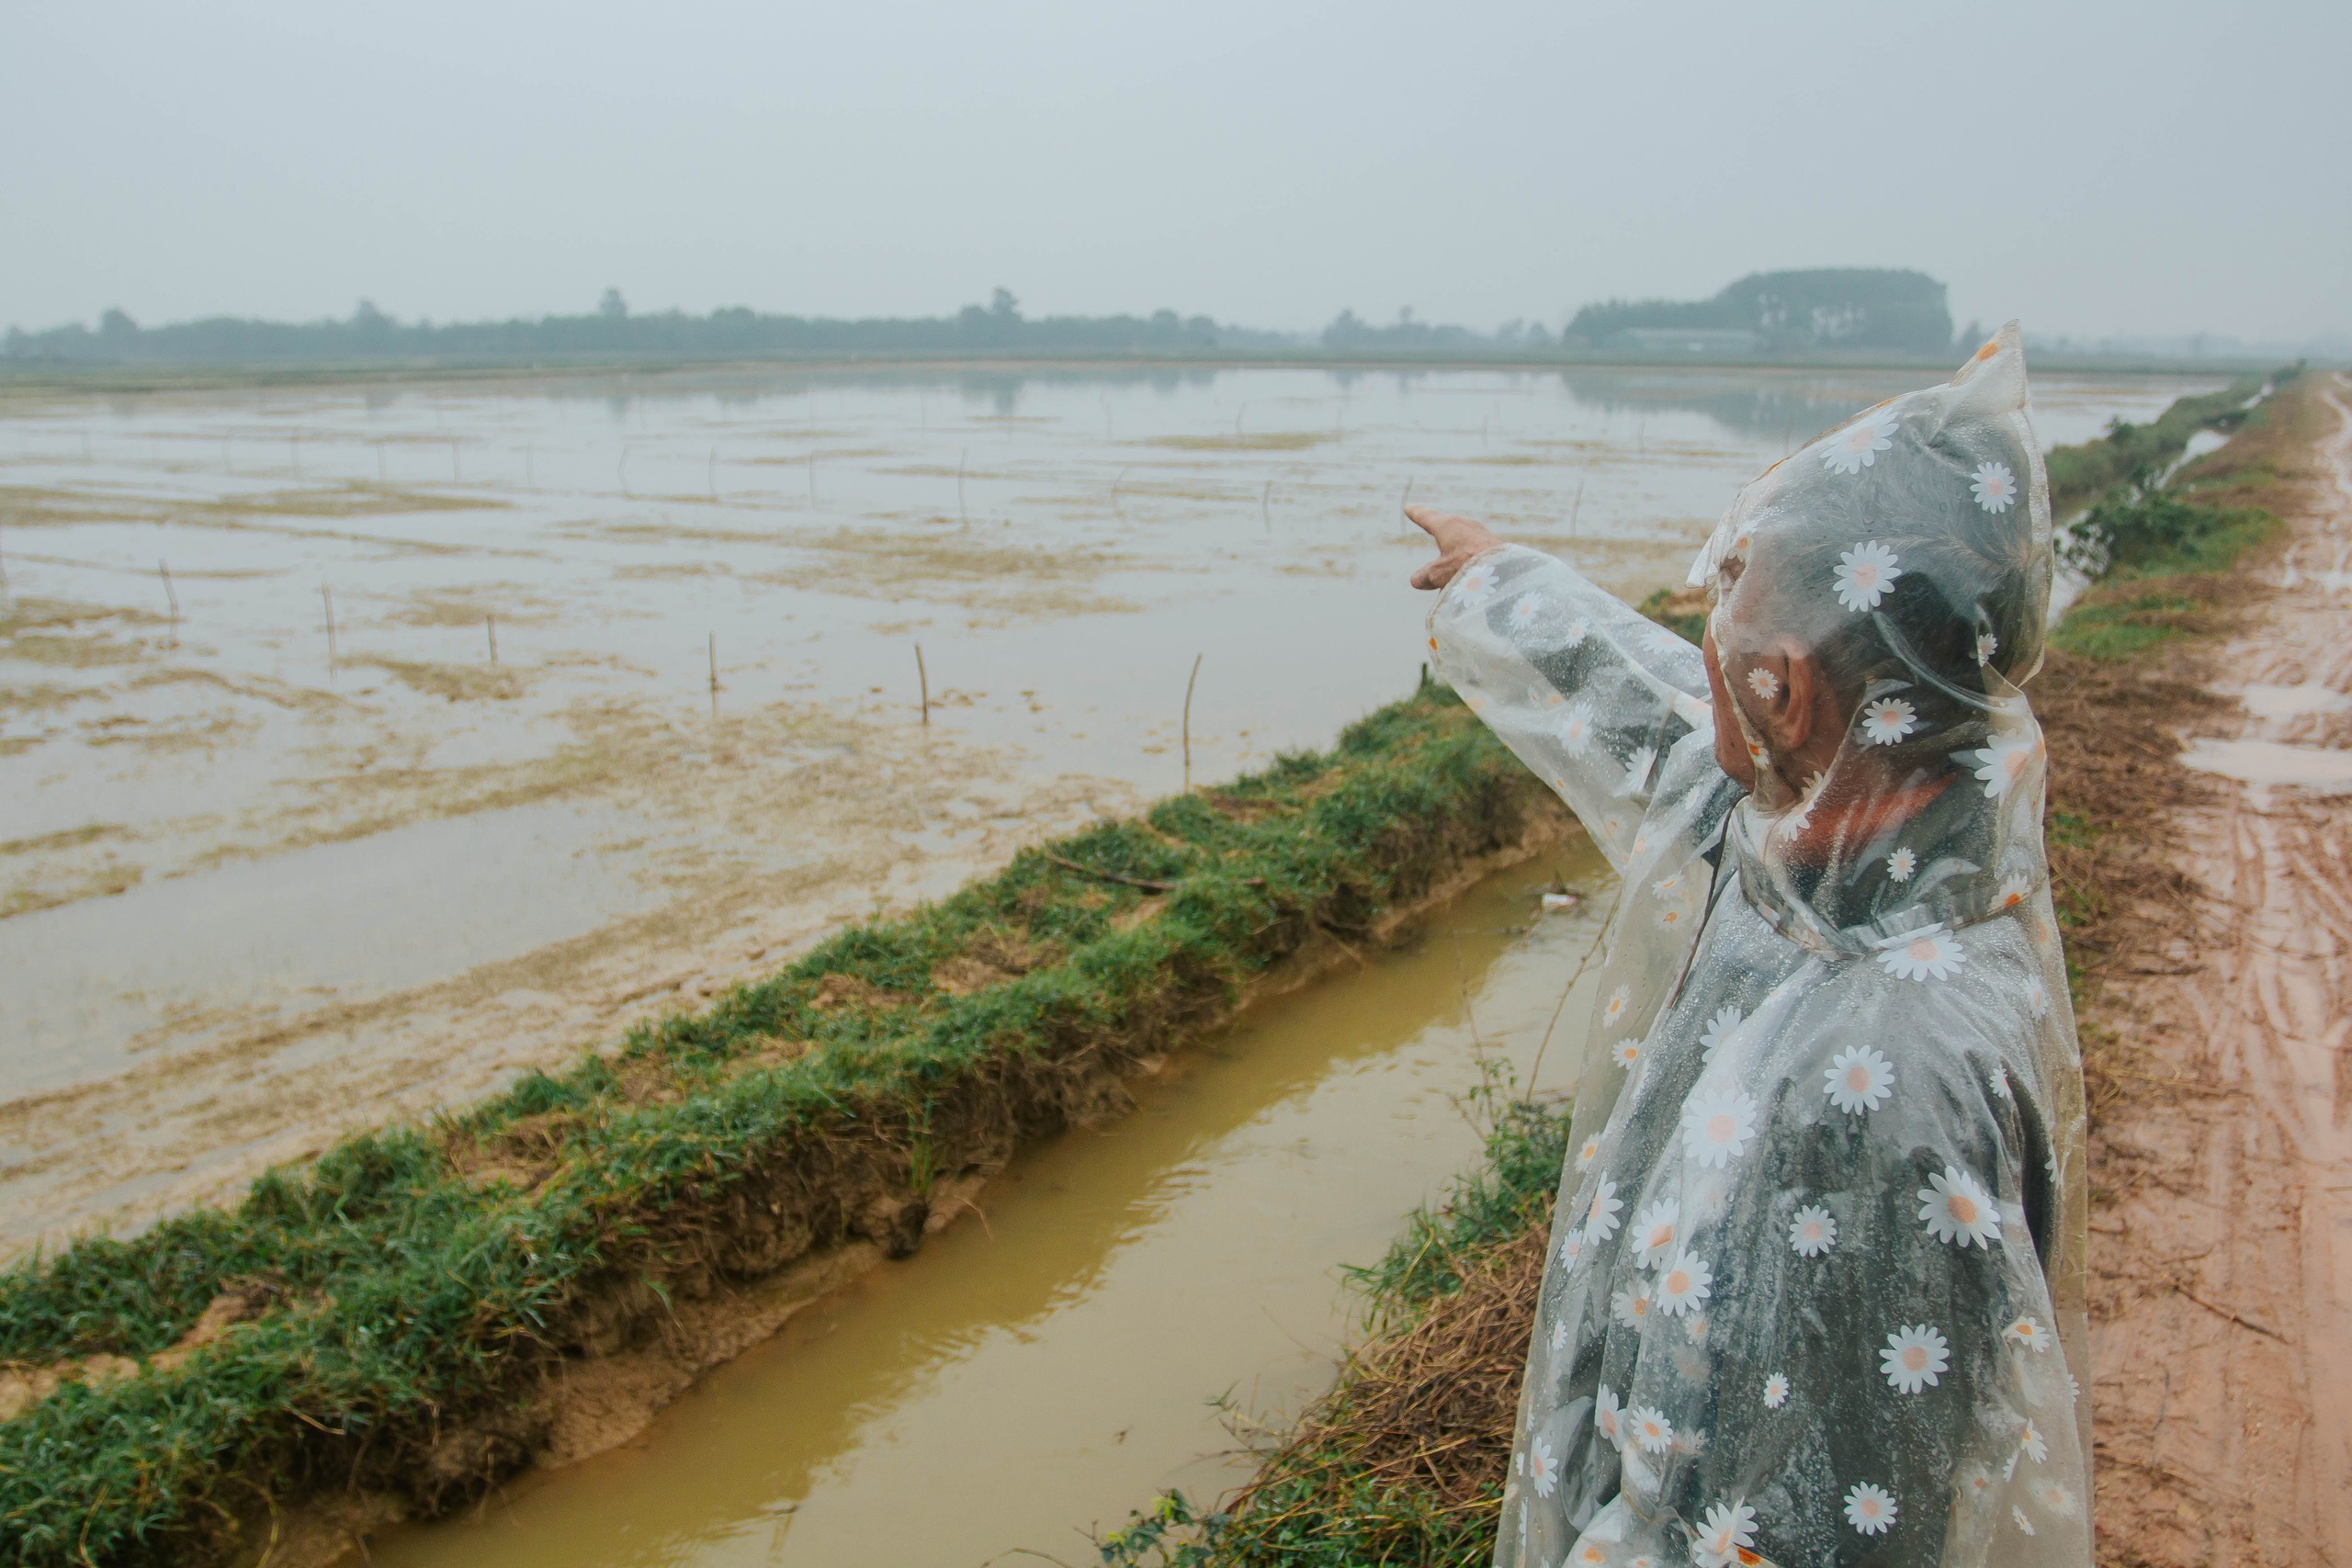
x: 1024, y: 1380
x: 2311, y: 699
x: 2272, y: 763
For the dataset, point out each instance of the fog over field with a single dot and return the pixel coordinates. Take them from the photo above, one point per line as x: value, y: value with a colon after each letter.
x: 2094, y: 168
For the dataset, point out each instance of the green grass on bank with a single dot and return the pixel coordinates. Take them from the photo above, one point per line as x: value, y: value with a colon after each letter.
x: 2162, y: 553
x: 408, y: 1291
x: 1526, y: 1142
x: 2133, y: 456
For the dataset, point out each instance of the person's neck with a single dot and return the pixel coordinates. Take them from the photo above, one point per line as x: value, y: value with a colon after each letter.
x: 1781, y: 785
x: 1862, y: 812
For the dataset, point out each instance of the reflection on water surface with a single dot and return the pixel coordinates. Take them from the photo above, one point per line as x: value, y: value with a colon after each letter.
x: 272, y: 649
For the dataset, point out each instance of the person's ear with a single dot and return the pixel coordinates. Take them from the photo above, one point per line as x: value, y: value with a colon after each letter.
x: 1781, y: 685
x: 1789, y: 717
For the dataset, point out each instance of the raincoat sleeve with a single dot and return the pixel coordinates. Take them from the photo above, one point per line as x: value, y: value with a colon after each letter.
x: 1590, y: 693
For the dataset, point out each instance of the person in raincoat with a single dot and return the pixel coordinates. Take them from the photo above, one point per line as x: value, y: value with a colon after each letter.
x: 1815, y: 1287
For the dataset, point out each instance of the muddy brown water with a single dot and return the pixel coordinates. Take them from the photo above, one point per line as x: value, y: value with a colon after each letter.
x: 359, y: 748
x: 1077, y: 1347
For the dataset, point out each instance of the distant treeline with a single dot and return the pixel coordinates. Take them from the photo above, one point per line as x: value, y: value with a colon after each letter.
x: 1770, y: 315
x: 736, y: 332
x: 1787, y: 313
x: 1349, y: 333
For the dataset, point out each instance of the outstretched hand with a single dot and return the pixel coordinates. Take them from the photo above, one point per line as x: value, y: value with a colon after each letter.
x: 1459, y: 540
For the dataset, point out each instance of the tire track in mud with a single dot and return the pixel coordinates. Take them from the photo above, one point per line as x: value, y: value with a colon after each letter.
x: 2221, y: 1265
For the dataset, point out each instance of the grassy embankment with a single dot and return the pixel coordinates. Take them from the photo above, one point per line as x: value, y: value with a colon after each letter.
x: 389, y: 1317
x: 1403, y: 1462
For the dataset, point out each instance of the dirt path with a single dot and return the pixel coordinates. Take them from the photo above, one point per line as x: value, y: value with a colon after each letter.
x: 2222, y: 1292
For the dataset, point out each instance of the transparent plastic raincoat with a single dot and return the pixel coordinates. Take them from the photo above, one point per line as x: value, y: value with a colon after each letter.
x: 1815, y: 1289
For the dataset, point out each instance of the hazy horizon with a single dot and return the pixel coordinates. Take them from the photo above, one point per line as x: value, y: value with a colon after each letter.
x: 2147, y: 171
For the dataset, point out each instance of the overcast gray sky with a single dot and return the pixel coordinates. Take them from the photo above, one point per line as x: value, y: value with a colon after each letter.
x: 2096, y: 168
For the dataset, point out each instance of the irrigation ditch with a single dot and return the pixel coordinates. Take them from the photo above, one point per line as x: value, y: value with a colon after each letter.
x: 396, y: 1319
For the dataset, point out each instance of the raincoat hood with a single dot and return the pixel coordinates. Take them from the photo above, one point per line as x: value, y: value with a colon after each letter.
x: 1908, y: 556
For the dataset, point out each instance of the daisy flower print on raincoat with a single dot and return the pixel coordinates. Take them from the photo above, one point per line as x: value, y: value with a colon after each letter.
x: 1716, y: 1127
x: 1683, y: 1284
x: 1932, y: 952
x: 1637, y: 771
x: 2027, y: 1331
x: 1576, y: 728
x: 1864, y: 575
x: 1858, y: 1080
x: 1631, y: 1307
x: 1857, y: 446
x: 1954, y: 1208
x: 1838, y: 1290
x: 1725, y: 1535
x: 1654, y: 1230
x: 1543, y: 1468
x: 1888, y: 720
x: 1600, y: 1219
x: 2053, y: 1497
x: 2000, y: 765
x: 1915, y: 1357
x: 1719, y: 1029
x: 1869, y: 1509
x: 1650, y: 1428
x: 1994, y: 487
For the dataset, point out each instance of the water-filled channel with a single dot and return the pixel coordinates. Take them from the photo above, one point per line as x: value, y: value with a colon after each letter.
x: 409, y: 689
x: 1034, y: 1373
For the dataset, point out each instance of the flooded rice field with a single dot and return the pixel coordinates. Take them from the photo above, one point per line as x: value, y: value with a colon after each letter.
x: 361, y: 746
x: 1058, y: 1359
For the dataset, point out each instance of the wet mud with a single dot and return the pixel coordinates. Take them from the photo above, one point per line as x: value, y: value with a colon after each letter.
x: 2223, y: 1253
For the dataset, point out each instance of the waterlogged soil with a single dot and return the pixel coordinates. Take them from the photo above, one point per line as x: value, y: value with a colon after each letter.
x: 363, y: 747
x: 2223, y: 1262
x: 1055, y: 1355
